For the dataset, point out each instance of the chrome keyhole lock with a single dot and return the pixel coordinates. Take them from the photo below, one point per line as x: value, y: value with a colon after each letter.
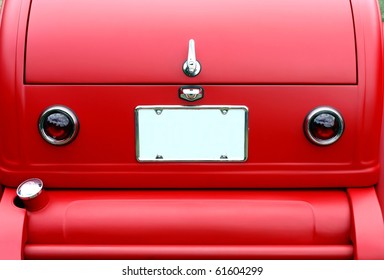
x: 191, y: 67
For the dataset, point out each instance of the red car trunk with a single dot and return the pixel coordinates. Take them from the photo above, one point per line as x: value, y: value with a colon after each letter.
x: 213, y: 160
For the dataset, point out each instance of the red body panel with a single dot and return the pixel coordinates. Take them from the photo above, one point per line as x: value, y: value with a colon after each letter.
x: 237, y: 42
x: 291, y: 199
x: 368, y: 225
x: 13, y: 227
x: 235, y: 224
x: 209, y: 217
x: 104, y: 152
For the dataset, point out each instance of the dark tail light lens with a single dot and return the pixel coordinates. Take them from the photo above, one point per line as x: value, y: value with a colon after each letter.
x: 58, y: 125
x: 324, y: 126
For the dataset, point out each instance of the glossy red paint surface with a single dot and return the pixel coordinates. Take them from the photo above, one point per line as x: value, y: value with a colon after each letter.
x: 290, y: 200
x: 13, y: 233
x: 380, y: 185
x: 237, y: 42
x: 368, y: 227
x: 166, y: 219
x: 103, y: 155
x: 192, y: 217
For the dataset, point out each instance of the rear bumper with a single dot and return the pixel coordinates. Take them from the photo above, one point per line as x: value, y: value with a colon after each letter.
x: 195, y: 224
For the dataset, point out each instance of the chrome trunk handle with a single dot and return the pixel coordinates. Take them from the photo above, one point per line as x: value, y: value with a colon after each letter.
x: 191, y: 67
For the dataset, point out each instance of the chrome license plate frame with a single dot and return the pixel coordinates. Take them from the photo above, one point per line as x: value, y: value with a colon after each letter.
x: 191, y: 133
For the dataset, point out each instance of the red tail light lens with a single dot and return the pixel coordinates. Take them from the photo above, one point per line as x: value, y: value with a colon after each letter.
x: 324, y: 126
x: 58, y: 125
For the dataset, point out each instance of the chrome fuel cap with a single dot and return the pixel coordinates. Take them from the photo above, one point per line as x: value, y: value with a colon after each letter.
x: 32, y: 194
x: 30, y: 189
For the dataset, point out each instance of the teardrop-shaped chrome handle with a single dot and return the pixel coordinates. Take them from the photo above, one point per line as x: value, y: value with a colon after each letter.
x: 191, y: 67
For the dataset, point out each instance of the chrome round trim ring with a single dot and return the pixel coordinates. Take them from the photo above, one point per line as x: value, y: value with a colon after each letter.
x: 313, y: 114
x: 29, y: 189
x: 195, y: 72
x: 71, y: 116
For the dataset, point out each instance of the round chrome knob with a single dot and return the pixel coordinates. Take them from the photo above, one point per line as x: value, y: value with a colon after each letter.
x: 32, y: 194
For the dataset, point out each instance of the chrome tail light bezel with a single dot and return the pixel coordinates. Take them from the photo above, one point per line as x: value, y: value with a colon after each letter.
x: 73, y: 122
x: 313, y: 115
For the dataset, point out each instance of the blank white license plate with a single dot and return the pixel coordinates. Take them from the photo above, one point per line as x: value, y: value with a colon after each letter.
x: 191, y: 133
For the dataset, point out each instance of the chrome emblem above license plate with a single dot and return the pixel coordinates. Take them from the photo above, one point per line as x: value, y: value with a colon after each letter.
x: 191, y: 93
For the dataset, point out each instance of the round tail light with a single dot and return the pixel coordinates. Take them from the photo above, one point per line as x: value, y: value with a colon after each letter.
x: 324, y: 126
x: 58, y: 125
